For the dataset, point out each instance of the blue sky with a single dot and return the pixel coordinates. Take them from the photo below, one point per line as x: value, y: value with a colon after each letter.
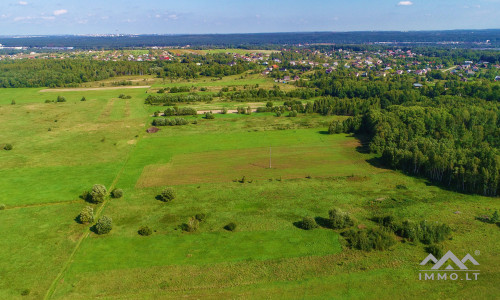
x: 35, y: 17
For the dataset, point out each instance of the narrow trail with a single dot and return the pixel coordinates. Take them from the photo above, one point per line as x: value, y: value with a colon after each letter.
x: 53, y: 286
x: 41, y: 204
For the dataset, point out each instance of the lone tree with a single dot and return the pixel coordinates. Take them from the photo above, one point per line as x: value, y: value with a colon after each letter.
x: 167, y: 195
x: 86, y: 215
x: 117, y: 193
x: 104, y: 225
x: 98, y: 193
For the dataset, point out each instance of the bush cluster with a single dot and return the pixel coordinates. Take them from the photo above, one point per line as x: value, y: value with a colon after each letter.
x: 192, y: 225
x: 435, y: 250
x: 200, y: 217
x: 230, y: 226
x: 123, y: 96
x: 209, y: 115
x: 307, y: 223
x: 145, y: 231
x: 371, y: 239
x: 494, y: 218
x: 338, y: 219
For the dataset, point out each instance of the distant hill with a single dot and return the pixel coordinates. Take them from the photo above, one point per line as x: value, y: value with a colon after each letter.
x: 456, y: 38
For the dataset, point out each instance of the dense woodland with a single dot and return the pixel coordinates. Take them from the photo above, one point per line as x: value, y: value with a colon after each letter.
x: 467, y: 37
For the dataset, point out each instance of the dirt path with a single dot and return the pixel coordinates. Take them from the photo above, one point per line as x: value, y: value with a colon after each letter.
x: 96, y: 89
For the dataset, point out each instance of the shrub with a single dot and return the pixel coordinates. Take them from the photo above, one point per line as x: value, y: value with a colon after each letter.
x: 386, y: 221
x: 278, y: 113
x: 224, y: 111
x: 2, y: 206
x: 292, y: 114
x: 7, y: 147
x: 167, y: 195
x: 145, y: 231
x: 123, y: 96
x: 25, y: 292
x: 427, y: 233
x: 192, y: 225
x: 48, y: 101
x: 308, y: 223
x: 435, y: 250
x: 83, y: 99
x: 104, y: 225
x: 98, y: 193
x: 230, y: 226
x: 117, y: 193
x: 371, y: 239
x: 86, y: 215
x: 489, y: 219
x: 200, y: 217
x: 338, y: 219
x: 61, y: 99
x: 269, y: 104
x: 209, y: 115
x: 13, y: 102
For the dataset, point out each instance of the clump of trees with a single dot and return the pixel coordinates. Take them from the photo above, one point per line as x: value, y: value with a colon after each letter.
x: 86, y: 215
x: 423, y: 231
x: 169, y: 122
x: 167, y: 99
x: 167, y: 195
x: 104, y: 225
x: 183, y: 111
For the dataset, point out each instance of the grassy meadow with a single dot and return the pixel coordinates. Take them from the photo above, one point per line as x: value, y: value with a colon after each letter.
x: 61, y: 149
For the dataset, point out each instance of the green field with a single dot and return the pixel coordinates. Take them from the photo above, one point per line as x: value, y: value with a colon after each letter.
x: 103, y: 140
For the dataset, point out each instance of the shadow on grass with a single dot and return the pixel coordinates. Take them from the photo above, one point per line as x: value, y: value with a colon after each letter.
x: 324, y: 132
x: 322, y: 222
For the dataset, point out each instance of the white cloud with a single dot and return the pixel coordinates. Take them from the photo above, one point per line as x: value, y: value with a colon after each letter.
x: 60, y: 12
x: 23, y: 3
x: 17, y: 19
x: 405, y: 3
